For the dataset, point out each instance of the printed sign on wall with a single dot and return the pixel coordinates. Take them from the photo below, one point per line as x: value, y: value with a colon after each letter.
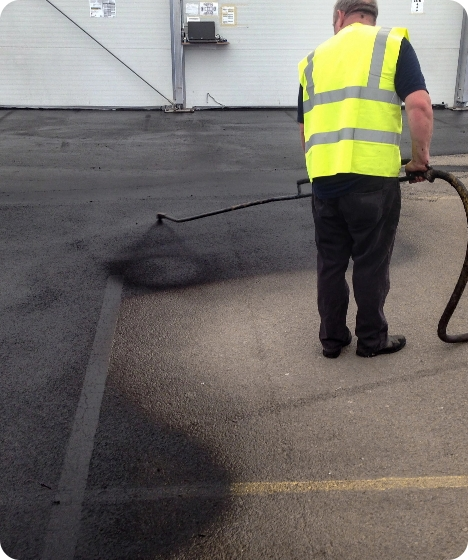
x: 228, y: 15
x: 417, y: 6
x: 209, y: 8
x: 101, y: 8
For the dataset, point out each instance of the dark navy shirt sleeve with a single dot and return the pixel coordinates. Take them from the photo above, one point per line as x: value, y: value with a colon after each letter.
x: 408, y: 77
x: 300, y: 106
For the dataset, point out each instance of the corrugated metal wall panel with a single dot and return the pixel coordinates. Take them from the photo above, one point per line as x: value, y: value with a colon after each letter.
x: 435, y: 35
x: 258, y: 67
x: 46, y: 61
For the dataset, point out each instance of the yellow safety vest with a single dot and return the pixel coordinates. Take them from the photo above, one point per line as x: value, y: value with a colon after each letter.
x: 352, y: 113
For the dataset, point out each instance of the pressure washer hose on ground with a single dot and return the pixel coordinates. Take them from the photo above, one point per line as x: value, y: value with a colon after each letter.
x: 431, y: 175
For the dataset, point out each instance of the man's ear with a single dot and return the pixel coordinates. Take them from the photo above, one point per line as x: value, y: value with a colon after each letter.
x: 340, y: 17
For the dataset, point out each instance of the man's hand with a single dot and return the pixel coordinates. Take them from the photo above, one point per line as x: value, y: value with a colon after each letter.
x: 414, y: 167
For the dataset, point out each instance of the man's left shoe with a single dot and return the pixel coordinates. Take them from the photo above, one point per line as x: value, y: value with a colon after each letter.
x: 335, y: 353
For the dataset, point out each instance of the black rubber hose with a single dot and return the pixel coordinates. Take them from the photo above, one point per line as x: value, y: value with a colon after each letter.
x: 431, y: 176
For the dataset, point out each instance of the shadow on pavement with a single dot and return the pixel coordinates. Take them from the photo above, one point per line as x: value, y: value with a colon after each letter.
x: 140, y: 501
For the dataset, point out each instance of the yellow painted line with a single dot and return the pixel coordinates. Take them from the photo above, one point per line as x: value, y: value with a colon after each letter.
x: 235, y: 489
x: 378, y: 484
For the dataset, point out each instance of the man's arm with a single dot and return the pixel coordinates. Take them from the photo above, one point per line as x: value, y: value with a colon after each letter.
x: 301, y: 130
x: 420, y: 121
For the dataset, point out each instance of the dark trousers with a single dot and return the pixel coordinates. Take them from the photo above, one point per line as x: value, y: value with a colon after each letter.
x: 360, y: 225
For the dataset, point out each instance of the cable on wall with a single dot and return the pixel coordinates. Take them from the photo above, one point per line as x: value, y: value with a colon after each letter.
x: 172, y: 102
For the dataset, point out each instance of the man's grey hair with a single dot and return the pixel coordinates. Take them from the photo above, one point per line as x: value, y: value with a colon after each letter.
x: 351, y: 6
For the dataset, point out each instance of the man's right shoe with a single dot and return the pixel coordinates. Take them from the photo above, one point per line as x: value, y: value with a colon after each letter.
x: 394, y: 344
x: 335, y: 353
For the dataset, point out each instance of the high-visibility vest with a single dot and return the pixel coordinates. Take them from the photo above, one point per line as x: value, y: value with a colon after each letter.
x: 352, y: 113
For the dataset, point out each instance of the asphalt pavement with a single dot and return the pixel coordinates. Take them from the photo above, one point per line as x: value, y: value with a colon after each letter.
x: 163, y: 391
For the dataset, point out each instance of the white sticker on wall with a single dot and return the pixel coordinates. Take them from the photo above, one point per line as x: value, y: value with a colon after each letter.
x: 191, y: 9
x: 417, y: 6
x: 102, y: 8
x: 228, y: 15
x: 209, y: 8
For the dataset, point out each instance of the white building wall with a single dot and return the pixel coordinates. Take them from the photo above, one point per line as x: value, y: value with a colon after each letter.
x: 435, y: 35
x: 259, y: 66
x: 46, y: 61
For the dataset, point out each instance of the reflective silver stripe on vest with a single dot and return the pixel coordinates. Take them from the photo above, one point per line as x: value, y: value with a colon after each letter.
x: 378, y: 56
x: 308, y: 105
x: 357, y: 92
x: 359, y: 134
x: 369, y: 93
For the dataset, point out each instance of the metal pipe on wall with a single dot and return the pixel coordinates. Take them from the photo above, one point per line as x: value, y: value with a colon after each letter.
x: 461, y: 91
x: 177, y: 52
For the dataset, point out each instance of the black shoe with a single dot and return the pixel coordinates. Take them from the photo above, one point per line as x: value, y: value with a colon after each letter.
x: 394, y: 344
x: 336, y: 353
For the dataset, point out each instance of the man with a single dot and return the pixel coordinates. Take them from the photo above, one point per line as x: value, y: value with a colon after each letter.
x: 350, y: 122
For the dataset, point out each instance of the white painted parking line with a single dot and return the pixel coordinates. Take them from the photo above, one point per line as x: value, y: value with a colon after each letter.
x: 62, y: 531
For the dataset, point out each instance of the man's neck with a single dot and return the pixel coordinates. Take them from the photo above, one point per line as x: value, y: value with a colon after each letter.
x: 358, y: 18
